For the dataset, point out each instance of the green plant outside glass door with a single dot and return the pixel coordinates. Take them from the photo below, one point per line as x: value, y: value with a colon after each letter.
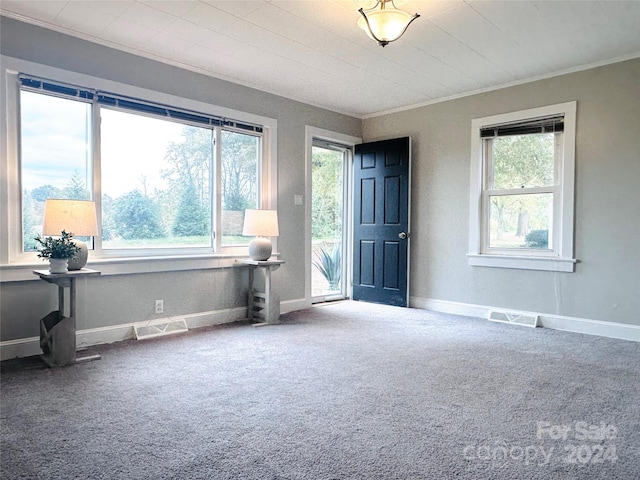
x: 327, y: 219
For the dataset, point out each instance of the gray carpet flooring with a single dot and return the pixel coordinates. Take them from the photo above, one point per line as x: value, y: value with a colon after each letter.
x: 342, y: 391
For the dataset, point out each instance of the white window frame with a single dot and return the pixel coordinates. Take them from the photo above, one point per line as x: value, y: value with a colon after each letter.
x: 16, y: 264
x: 560, y: 258
x: 349, y: 141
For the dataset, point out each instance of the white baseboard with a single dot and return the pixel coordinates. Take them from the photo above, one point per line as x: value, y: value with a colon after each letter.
x: 293, y: 305
x: 21, y: 347
x: 445, y: 306
x: 587, y: 326
x: 27, y: 347
x: 215, y: 317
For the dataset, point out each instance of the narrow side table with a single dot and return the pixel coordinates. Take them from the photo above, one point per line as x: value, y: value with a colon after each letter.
x: 265, y: 304
x: 57, y: 332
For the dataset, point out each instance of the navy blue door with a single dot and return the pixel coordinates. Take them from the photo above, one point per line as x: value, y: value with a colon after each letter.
x: 381, y: 221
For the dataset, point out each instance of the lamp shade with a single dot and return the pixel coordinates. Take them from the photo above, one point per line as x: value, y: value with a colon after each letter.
x: 77, y: 217
x: 262, y: 223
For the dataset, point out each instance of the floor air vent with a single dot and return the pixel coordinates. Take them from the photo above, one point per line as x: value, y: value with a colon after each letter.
x: 514, y: 318
x: 160, y: 328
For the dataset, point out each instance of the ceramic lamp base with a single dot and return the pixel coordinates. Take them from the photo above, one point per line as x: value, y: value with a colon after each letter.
x: 79, y: 260
x: 260, y: 249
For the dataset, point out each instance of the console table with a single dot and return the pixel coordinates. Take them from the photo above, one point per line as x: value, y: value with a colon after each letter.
x: 57, y: 332
x: 262, y: 304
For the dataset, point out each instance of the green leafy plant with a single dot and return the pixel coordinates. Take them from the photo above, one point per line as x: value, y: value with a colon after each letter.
x: 62, y: 247
x: 329, y: 265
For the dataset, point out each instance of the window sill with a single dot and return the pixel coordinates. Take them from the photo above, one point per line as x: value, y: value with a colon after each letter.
x: 523, y: 263
x: 133, y: 265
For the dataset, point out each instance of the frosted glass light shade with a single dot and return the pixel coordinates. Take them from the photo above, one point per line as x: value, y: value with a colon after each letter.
x: 262, y: 223
x: 386, y: 24
x: 77, y: 217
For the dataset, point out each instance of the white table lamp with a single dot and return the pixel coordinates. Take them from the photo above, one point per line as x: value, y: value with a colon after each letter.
x: 262, y: 223
x: 77, y: 217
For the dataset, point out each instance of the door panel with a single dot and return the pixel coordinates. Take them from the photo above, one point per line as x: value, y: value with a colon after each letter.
x: 367, y: 261
x: 392, y: 192
x: 391, y: 260
x: 381, y: 221
x: 368, y: 205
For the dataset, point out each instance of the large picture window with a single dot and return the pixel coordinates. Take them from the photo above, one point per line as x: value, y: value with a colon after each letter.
x: 166, y: 180
x: 522, y: 189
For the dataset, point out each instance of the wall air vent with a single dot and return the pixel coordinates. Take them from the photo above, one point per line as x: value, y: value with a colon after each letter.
x: 159, y: 328
x: 515, y: 318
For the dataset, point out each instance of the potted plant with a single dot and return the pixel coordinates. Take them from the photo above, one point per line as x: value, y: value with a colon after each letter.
x: 57, y: 250
x: 328, y: 263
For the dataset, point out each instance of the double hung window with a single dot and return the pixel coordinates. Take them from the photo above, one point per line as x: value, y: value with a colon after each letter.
x: 522, y: 189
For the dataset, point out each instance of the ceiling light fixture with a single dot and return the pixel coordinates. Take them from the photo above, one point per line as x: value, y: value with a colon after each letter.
x: 385, y: 23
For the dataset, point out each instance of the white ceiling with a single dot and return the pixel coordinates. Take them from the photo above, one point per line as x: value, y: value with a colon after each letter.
x: 312, y: 50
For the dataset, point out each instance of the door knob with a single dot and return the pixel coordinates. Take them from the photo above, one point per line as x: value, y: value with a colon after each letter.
x: 402, y: 235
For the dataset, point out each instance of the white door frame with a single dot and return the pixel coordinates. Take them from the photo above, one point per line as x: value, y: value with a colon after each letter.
x: 346, y: 140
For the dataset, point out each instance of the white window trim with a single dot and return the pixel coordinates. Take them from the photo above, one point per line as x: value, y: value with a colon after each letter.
x: 563, y: 260
x: 17, y: 265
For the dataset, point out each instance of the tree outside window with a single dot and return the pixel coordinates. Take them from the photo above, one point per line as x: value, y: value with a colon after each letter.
x: 522, y: 162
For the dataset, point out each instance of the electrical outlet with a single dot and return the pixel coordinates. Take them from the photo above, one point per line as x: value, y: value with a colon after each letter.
x: 159, y: 306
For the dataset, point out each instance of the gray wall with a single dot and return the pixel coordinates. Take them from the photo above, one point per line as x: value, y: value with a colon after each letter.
x: 128, y: 298
x: 606, y: 283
